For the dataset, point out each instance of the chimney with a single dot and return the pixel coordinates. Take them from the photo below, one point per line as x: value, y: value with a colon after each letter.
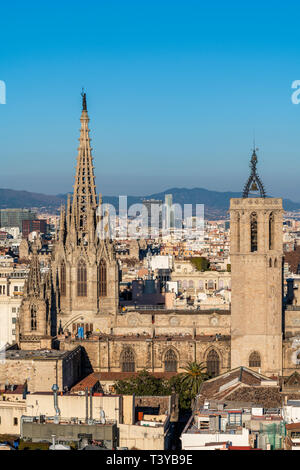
x: 55, y: 390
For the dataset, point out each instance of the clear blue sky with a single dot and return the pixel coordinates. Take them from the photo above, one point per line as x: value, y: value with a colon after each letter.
x: 175, y: 90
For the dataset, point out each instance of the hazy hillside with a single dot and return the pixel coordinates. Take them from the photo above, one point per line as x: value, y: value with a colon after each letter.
x: 216, y: 202
x: 10, y: 198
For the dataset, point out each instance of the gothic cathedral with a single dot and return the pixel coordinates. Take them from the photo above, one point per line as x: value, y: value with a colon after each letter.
x: 81, y: 290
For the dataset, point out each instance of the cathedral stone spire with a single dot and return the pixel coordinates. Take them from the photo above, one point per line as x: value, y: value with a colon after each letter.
x: 84, y: 187
x: 85, y: 273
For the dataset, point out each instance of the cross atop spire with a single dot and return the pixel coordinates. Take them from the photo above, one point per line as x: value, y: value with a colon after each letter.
x: 254, y: 183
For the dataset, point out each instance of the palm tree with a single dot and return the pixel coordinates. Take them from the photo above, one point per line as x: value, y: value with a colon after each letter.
x: 194, y: 376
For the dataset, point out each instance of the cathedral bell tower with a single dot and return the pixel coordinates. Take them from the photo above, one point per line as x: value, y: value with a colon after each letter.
x: 256, y: 270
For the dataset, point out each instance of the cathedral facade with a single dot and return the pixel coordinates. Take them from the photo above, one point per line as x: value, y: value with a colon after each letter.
x: 81, y: 294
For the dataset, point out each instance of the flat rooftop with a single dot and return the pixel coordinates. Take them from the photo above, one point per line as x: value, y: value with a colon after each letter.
x: 41, y: 354
x: 145, y: 337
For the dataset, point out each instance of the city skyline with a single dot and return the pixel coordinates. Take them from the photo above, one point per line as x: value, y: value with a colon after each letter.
x: 149, y: 228
x: 173, y: 93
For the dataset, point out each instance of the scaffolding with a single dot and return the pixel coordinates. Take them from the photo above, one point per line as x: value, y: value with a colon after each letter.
x: 271, y: 436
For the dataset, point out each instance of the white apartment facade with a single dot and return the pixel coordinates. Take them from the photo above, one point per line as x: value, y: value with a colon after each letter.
x: 12, y: 279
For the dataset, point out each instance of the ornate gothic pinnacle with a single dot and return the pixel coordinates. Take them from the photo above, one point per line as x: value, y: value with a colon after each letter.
x: 254, y: 183
x: 34, y: 276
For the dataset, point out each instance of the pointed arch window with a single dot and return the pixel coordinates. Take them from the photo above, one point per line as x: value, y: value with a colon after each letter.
x: 33, y: 318
x: 81, y: 279
x: 170, y: 361
x: 238, y: 235
x: 127, y: 360
x: 271, y: 231
x: 213, y: 363
x: 102, y: 279
x: 253, y: 231
x: 63, y: 279
x: 254, y: 359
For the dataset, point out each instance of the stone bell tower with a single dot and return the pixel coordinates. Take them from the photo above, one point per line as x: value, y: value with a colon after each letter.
x: 256, y: 269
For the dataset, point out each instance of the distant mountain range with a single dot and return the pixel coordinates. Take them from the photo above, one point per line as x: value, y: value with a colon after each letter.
x: 216, y: 203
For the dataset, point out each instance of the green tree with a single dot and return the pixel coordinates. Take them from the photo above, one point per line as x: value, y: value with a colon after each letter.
x: 193, y: 376
x: 142, y: 384
x: 184, y: 393
x: 200, y: 263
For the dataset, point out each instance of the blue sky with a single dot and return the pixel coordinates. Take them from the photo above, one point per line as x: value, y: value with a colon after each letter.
x: 175, y: 90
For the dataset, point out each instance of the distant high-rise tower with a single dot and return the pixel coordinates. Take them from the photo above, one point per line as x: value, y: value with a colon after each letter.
x: 169, y: 215
x: 256, y: 269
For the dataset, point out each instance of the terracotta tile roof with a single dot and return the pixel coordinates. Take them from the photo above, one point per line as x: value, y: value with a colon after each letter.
x: 267, y: 418
x: 212, y: 386
x: 208, y: 444
x: 241, y: 448
x: 293, y: 259
x: 241, y: 385
x: 89, y: 381
x: 268, y: 397
x: 18, y: 390
x: 292, y: 426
